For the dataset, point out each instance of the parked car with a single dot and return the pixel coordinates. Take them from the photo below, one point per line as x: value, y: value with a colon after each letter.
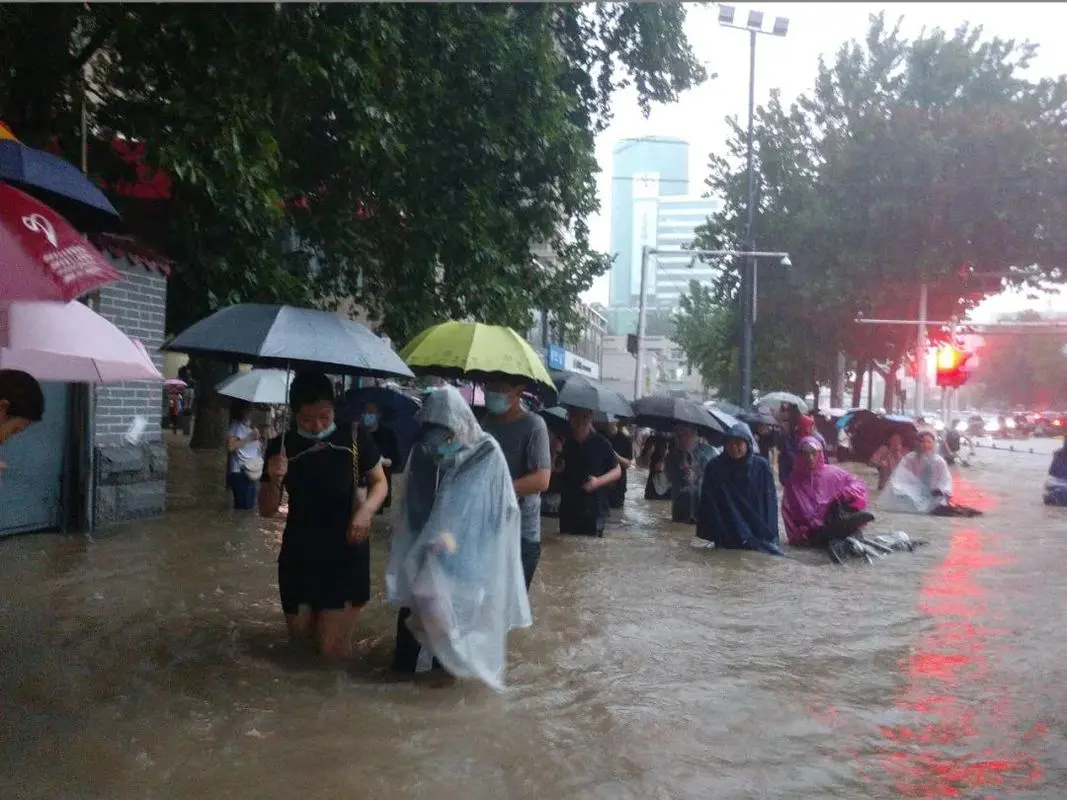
x: 1051, y: 423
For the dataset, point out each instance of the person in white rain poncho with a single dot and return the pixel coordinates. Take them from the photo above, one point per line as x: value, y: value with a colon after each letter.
x: 454, y: 566
x: 922, y: 483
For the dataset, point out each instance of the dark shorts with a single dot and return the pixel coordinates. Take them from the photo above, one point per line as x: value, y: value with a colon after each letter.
x: 324, y: 583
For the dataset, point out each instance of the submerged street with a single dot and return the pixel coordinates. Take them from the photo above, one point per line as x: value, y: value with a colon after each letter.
x: 152, y: 663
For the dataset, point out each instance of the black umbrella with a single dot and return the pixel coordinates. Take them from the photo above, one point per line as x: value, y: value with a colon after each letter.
x: 581, y: 392
x: 290, y: 337
x: 663, y: 413
x: 725, y: 418
x: 759, y: 415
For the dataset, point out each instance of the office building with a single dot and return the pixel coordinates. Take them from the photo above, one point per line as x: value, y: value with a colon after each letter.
x: 642, y: 171
x: 677, y: 221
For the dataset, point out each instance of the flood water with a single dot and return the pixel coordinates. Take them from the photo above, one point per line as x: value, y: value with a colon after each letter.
x: 152, y: 663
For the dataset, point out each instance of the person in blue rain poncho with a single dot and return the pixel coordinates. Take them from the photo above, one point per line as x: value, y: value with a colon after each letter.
x: 738, y: 499
x: 454, y: 564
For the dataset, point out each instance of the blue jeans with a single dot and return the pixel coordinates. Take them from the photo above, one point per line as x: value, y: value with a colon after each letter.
x: 244, y: 491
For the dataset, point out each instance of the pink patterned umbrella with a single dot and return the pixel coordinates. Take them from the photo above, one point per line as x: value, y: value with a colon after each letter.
x: 70, y: 343
x: 41, y: 256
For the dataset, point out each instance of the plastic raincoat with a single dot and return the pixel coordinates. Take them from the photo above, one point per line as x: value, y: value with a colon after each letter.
x: 738, y: 500
x: 809, y: 492
x: 455, y: 560
x: 912, y: 485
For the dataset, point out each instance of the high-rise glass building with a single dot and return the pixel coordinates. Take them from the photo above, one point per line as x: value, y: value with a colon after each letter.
x: 642, y: 171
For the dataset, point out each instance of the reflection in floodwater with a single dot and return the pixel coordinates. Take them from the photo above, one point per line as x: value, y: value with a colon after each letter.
x: 960, y: 737
x: 153, y: 664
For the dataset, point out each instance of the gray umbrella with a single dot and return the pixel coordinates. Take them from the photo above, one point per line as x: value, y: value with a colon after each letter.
x: 581, y: 392
x: 290, y: 337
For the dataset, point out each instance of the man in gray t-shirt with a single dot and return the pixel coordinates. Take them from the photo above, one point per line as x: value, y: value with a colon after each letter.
x: 524, y: 439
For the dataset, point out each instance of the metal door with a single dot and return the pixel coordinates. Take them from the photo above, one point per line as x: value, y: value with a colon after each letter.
x: 31, y: 483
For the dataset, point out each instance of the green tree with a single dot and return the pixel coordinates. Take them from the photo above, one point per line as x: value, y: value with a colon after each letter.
x: 410, y: 154
x: 911, y: 162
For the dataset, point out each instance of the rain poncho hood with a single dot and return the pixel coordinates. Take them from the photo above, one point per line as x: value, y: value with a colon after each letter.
x: 810, y: 491
x: 455, y: 560
x: 738, y: 500
x: 912, y: 485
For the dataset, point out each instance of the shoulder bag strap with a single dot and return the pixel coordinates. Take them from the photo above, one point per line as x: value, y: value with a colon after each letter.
x: 356, y: 499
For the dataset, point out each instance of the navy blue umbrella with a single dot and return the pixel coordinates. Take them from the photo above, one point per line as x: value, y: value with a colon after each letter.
x: 59, y: 184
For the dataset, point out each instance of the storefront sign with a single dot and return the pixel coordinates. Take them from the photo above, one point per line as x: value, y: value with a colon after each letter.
x: 556, y: 357
x: 582, y: 366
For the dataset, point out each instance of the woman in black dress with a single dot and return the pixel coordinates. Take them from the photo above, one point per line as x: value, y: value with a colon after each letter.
x: 336, y: 484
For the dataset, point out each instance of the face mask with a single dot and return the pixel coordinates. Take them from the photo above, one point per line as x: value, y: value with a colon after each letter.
x: 370, y: 420
x: 497, y: 402
x: 449, y: 448
x: 325, y: 433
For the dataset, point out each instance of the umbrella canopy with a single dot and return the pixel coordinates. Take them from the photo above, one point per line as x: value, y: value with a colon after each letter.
x: 265, y: 386
x: 777, y: 398
x: 175, y: 383
x: 725, y: 405
x: 289, y: 337
x: 476, y: 352
x: 42, y: 256
x: 392, y: 404
x: 663, y: 413
x: 725, y: 419
x: 581, y: 392
x: 58, y: 183
x: 758, y: 415
x: 69, y: 343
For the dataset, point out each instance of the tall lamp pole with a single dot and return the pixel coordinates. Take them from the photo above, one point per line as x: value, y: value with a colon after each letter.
x: 754, y: 26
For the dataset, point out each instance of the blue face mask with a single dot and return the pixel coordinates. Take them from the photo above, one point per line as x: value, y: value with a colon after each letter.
x: 370, y: 420
x: 449, y: 448
x: 325, y: 433
x: 497, y: 402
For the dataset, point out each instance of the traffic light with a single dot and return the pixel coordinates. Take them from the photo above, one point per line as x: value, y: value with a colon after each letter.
x: 952, y: 369
x: 631, y: 344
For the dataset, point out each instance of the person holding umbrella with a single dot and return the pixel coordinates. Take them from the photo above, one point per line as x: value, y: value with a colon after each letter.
x: 336, y: 484
x: 524, y: 439
x: 590, y: 466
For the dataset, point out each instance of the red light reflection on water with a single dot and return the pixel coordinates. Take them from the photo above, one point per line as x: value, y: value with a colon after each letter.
x: 938, y: 753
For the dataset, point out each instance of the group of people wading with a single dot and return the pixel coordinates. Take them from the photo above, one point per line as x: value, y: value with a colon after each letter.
x: 466, y: 539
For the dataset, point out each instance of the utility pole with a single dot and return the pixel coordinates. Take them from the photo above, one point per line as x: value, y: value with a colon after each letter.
x: 748, y: 270
x: 642, y: 304
x: 647, y: 252
x: 920, y: 354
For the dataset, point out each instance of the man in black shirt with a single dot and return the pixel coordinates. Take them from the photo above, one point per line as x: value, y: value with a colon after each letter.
x: 589, y: 468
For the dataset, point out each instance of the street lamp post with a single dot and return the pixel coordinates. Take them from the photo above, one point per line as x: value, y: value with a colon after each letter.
x: 754, y: 27
x: 642, y: 303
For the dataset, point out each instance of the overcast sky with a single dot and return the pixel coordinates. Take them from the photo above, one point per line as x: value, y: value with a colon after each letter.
x: 789, y: 65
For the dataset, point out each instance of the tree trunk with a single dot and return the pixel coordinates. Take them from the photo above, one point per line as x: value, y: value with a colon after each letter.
x: 837, y: 380
x: 211, y: 411
x: 889, y: 399
x: 857, y: 385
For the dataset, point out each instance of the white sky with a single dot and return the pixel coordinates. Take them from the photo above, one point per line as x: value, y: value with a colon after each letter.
x: 789, y: 64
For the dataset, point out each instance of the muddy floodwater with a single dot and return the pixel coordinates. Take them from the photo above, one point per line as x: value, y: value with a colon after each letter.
x: 152, y: 663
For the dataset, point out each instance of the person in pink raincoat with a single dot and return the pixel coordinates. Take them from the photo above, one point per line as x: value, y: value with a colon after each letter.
x: 821, y: 502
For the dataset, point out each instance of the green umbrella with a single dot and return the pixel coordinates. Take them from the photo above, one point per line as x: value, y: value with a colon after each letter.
x: 476, y: 352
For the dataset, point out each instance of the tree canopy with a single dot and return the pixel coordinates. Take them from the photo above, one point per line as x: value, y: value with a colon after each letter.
x: 932, y: 160
x: 406, y: 155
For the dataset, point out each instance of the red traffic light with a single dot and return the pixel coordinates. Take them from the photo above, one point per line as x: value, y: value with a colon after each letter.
x: 951, y: 363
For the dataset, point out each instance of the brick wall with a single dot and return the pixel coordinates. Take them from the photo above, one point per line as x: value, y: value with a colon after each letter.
x: 131, y: 479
